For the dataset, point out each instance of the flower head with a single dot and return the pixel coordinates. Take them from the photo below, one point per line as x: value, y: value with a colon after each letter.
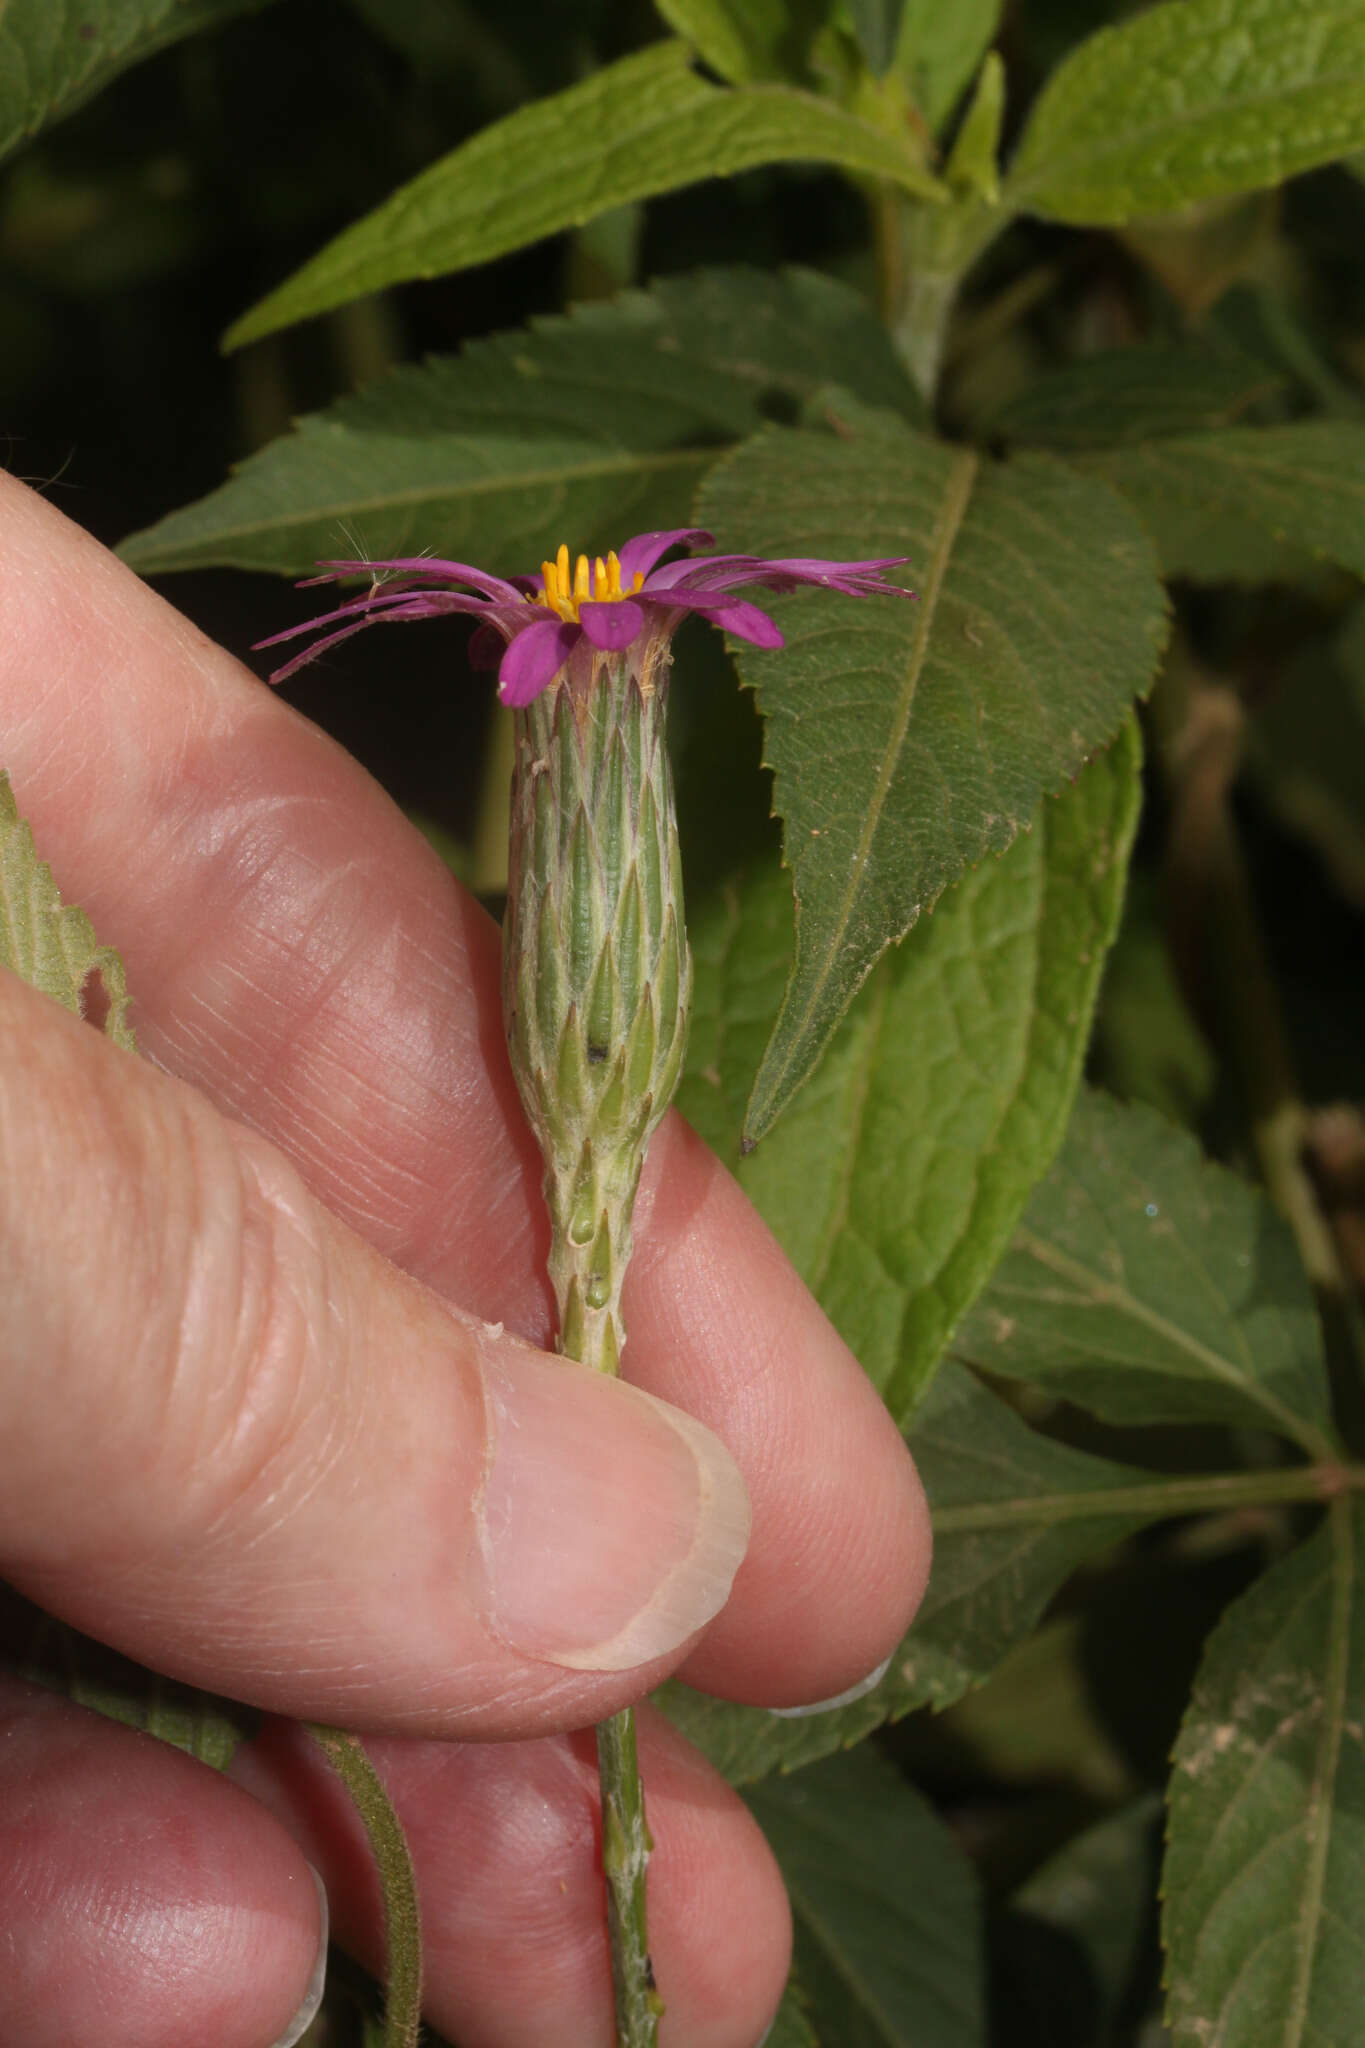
x: 534, y: 628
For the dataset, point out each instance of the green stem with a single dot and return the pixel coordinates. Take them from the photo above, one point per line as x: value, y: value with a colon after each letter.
x: 1211, y: 1493
x: 388, y: 1844
x: 595, y: 1338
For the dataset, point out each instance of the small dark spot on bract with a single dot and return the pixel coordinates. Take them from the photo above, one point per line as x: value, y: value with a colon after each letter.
x: 596, y: 1055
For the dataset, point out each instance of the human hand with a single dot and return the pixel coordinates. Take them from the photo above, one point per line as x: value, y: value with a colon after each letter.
x: 260, y: 1428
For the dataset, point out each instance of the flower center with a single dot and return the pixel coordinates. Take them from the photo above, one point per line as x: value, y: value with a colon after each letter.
x: 597, y: 583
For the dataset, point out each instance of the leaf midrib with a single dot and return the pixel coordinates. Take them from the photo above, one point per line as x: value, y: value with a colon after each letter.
x: 486, y: 486
x: 956, y: 497
x: 1110, y: 1293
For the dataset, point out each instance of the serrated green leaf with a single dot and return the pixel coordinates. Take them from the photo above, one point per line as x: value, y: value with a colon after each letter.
x: 646, y: 124
x: 48, y: 943
x: 1265, y: 1905
x: 888, y: 1917
x: 939, y: 50
x: 1249, y: 504
x: 586, y: 428
x: 54, y: 54
x: 1151, y: 1285
x: 895, y: 1180
x: 746, y: 41
x: 1014, y: 1514
x: 908, y: 740
x: 1134, y: 394
x: 1190, y: 101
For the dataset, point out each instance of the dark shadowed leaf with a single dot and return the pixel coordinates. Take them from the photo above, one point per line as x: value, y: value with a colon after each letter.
x: 1014, y: 1514
x: 888, y: 1919
x: 56, y: 53
x: 1135, y: 394
x: 1152, y: 1285
x: 1248, y: 504
x: 586, y: 428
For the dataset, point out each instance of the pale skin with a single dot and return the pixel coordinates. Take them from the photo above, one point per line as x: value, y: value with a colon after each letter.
x: 253, y: 1287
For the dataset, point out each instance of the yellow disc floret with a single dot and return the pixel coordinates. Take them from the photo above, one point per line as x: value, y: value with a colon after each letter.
x: 596, y: 583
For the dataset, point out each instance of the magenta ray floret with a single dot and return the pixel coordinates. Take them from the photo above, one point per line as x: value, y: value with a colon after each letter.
x: 532, y: 628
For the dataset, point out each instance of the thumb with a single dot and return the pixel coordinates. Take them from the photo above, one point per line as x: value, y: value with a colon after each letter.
x: 240, y: 1446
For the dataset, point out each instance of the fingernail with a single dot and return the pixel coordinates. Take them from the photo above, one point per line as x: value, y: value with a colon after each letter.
x: 312, y: 1997
x: 840, y: 1699
x: 612, y: 1524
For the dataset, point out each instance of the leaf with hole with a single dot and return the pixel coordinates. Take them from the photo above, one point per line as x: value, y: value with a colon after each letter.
x: 48, y: 943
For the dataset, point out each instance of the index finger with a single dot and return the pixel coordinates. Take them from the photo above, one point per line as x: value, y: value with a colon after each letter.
x: 298, y: 952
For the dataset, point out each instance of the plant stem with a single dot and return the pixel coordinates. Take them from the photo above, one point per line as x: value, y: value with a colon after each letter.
x: 402, y: 1918
x: 596, y: 1339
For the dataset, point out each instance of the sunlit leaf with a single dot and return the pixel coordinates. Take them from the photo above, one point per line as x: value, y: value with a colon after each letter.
x: 586, y: 429
x: 648, y: 123
x: 911, y: 739
x: 1264, y: 1878
x: 1191, y: 100
x: 1152, y: 1285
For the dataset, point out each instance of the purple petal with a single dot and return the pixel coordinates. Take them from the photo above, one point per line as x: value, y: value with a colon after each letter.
x: 307, y: 654
x: 413, y: 603
x: 534, y: 658
x: 486, y: 644
x: 638, y: 556
x: 719, y: 572
x: 430, y: 569
x: 733, y: 615
x: 611, y: 626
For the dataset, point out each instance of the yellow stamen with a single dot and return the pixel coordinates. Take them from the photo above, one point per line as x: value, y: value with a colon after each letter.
x: 597, y: 581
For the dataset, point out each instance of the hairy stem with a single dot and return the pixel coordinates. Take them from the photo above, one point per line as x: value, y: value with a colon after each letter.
x: 402, y: 1918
